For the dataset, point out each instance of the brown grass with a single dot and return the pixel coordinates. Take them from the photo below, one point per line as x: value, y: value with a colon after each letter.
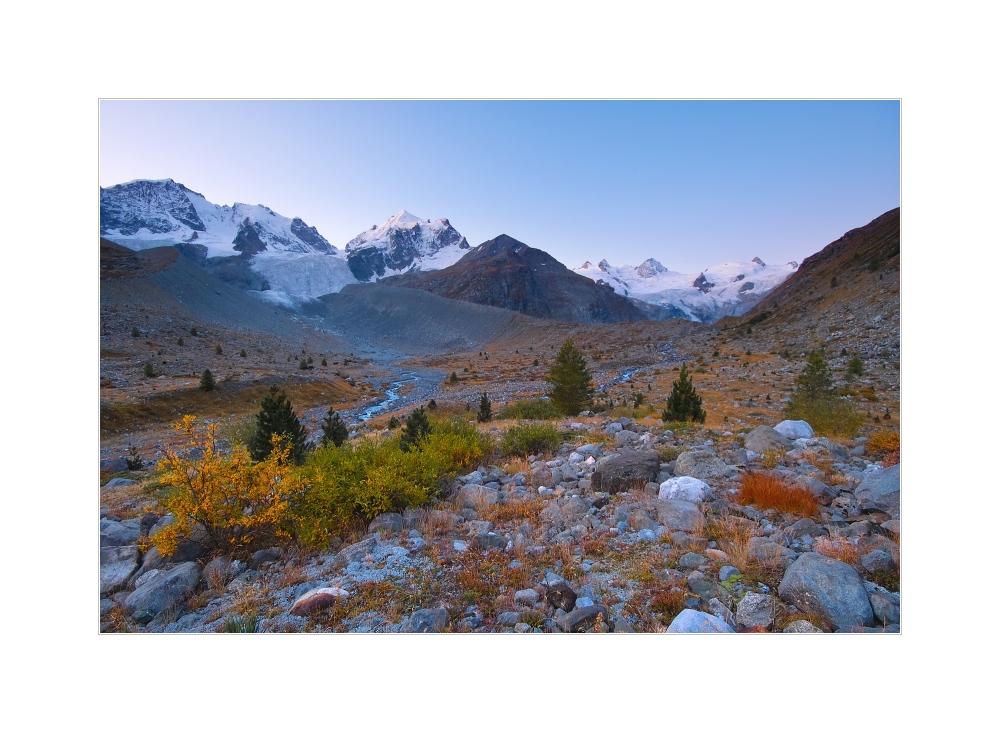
x: 883, y: 442
x: 513, y: 511
x: 767, y: 491
x: 838, y: 548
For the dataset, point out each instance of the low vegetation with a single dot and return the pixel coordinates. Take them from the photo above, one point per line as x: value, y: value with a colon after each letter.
x: 529, y: 410
x: 767, y: 491
x: 815, y: 400
x: 529, y: 439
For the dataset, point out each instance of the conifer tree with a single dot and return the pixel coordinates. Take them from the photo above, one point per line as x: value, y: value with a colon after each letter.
x: 416, y: 429
x: 334, y: 430
x: 572, y: 390
x: 485, y: 409
x: 683, y: 404
x: 276, y: 417
x: 855, y: 367
x: 453, y: 379
x: 207, y: 382
x: 815, y: 383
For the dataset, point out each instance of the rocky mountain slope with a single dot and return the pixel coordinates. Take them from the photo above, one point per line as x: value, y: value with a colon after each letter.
x: 729, y: 289
x: 404, y: 243
x: 844, y: 298
x: 506, y: 273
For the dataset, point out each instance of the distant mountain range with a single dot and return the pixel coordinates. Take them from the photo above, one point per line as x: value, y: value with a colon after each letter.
x: 287, y: 262
x: 724, y: 290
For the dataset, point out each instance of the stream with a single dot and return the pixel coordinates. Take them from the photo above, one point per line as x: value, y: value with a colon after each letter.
x: 391, y: 395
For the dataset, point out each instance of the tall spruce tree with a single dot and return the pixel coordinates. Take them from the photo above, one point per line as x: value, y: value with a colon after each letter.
x: 416, y: 429
x: 485, y: 413
x: 334, y: 430
x: 207, y: 382
x: 276, y: 417
x: 572, y: 391
x: 683, y: 404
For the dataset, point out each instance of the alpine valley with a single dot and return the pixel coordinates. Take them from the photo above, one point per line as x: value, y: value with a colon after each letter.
x: 410, y: 433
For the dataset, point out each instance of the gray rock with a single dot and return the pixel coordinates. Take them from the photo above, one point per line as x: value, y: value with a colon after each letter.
x: 685, y: 488
x: 390, y: 522
x: 675, y: 514
x: 763, y: 437
x: 117, y: 534
x: 805, y: 527
x: 425, y: 621
x: 624, y: 472
x: 690, y: 621
x: 117, y: 566
x: 316, y: 599
x: 793, y: 429
x: 625, y: 436
x: 583, y: 619
x: 354, y: 553
x: 692, y: 560
x: 755, y: 609
x: 878, y: 561
x: 701, y: 465
x: 639, y: 520
x: 117, y: 483
x: 728, y: 571
x: 472, y: 496
x: 169, y: 588
x: 263, y: 557
x: 829, y: 588
x: 509, y: 618
x: 880, y: 490
x: 540, y: 477
x: 107, y: 606
x: 891, y: 525
x: 460, y: 545
x: 574, y: 510
x: 528, y: 597
x: 719, y: 610
x: 802, y: 627
x: 816, y: 487
x: 885, y: 607
x: 477, y: 526
x: 489, y: 542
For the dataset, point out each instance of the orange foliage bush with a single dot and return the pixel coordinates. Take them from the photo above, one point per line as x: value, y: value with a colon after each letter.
x: 883, y: 442
x: 240, y: 504
x: 767, y: 491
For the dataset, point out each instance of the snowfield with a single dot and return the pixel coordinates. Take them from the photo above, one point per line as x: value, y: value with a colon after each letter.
x: 732, y: 288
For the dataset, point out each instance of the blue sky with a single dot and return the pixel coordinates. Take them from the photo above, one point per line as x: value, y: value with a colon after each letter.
x: 692, y: 184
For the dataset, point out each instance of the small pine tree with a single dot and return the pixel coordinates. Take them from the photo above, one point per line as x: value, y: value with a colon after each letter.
x: 303, y: 364
x: 218, y: 349
x: 180, y: 341
x: 637, y: 399
x: 855, y: 367
x: 453, y: 379
x: 833, y: 281
x: 815, y: 382
x: 194, y: 331
x: 243, y: 352
x: 207, y: 382
x: 135, y: 332
x: 534, y: 363
x: 485, y: 413
x: 324, y: 361
x: 148, y: 371
x: 432, y: 405
x: 133, y: 461
x: 276, y: 417
x: 683, y: 404
x: 334, y: 430
x: 572, y: 390
x: 393, y: 422
x: 416, y: 429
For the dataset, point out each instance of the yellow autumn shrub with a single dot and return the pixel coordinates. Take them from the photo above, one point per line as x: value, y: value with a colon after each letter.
x: 242, y: 505
x: 883, y: 442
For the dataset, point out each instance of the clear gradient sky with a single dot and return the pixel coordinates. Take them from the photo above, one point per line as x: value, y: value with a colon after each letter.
x: 691, y: 184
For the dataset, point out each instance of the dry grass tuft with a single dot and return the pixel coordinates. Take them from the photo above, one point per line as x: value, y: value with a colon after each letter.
x: 883, y: 442
x: 767, y: 491
x: 771, y: 458
x: 838, y: 548
x: 513, y: 511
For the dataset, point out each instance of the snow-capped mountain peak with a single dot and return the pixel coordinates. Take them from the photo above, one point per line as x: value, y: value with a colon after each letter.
x: 403, y: 243
x: 142, y: 214
x: 728, y: 289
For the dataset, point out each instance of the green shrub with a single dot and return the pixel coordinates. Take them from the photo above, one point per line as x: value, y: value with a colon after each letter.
x: 668, y: 453
x: 530, y: 438
x: 416, y: 429
x: 249, y: 624
x: 361, y: 481
x: 148, y: 371
x: 135, y: 332
x: 537, y: 409
x: 207, y: 382
x: 485, y: 413
x: 816, y: 401
x: 855, y: 367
